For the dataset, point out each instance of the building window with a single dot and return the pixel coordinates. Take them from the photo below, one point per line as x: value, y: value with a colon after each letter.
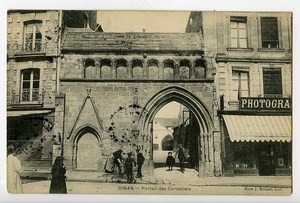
x: 169, y: 70
x: 153, y: 70
x: 89, y: 69
x: 184, y: 69
x: 200, y: 71
x: 240, y: 84
x: 121, y: 66
x: 30, y: 85
x: 272, y: 81
x: 105, y: 69
x: 137, y: 69
x: 238, y: 32
x: 32, y: 36
x: 269, y: 32
x: 75, y: 19
x: 168, y: 143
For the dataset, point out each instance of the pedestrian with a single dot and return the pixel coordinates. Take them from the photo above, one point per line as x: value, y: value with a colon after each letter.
x: 129, y: 167
x: 58, y: 179
x: 14, y: 184
x: 118, y: 160
x: 181, y: 156
x: 113, y: 160
x: 140, y: 161
x: 170, y: 161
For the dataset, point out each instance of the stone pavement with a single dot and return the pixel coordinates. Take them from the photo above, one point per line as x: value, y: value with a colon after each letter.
x: 166, y: 182
x: 190, y: 177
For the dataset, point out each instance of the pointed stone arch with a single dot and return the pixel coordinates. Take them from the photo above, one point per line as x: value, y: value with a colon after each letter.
x: 87, y: 149
x: 88, y: 109
x: 201, y: 113
x: 183, y: 96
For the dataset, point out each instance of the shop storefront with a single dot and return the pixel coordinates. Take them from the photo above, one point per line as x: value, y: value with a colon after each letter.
x: 257, y: 142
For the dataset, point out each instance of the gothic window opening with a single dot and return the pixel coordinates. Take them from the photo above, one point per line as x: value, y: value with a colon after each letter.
x: 168, y: 143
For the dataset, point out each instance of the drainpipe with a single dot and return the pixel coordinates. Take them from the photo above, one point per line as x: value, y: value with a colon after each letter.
x: 58, y: 50
x: 58, y: 65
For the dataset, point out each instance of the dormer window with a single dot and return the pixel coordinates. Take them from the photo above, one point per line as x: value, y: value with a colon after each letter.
x: 75, y: 19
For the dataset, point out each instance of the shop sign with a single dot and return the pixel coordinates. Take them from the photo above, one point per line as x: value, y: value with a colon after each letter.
x: 265, y: 103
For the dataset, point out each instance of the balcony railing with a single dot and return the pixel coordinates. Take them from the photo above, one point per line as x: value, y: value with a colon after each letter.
x: 28, y: 96
x: 271, y: 95
x: 29, y: 47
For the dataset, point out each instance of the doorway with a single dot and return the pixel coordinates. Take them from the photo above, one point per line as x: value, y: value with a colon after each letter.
x: 88, y: 152
x: 265, y: 155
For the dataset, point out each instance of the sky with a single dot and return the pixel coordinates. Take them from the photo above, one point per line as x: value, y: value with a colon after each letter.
x: 136, y: 21
x: 170, y: 110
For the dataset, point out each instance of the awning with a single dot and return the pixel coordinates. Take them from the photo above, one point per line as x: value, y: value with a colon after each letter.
x: 259, y: 128
x: 27, y: 113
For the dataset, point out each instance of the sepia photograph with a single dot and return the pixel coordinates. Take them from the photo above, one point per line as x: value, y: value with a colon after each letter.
x: 149, y: 102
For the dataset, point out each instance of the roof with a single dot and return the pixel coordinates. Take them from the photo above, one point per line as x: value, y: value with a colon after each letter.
x: 85, y: 40
x: 167, y: 122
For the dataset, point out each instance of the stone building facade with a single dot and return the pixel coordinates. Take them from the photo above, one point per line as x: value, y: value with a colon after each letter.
x: 253, y: 62
x: 33, y: 62
x: 113, y: 84
x: 81, y: 93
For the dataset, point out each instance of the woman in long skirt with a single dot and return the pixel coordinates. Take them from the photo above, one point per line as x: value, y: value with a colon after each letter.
x: 14, y: 184
x: 58, y: 181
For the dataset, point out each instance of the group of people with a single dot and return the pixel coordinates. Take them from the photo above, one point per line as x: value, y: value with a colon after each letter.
x: 170, y: 161
x: 115, y: 163
x: 14, y: 183
x: 118, y: 163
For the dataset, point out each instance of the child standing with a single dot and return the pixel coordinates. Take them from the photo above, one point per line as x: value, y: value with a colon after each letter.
x: 129, y: 166
x: 170, y: 161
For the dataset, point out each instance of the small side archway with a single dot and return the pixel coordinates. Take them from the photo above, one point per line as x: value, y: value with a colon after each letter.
x: 87, y: 149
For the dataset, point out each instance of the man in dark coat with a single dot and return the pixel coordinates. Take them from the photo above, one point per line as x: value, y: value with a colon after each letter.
x: 129, y: 166
x: 181, y: 157
x: 140, y: 161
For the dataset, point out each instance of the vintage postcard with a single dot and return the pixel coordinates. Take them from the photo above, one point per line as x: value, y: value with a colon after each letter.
x: 149, y: 102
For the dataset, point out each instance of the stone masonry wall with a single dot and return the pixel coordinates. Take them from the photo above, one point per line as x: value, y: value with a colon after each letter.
x: 109, y: 97
x: 46, y: 61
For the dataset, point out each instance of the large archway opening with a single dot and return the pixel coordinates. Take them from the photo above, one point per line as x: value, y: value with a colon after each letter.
x: 202, y: 120
x: 174, y: 125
